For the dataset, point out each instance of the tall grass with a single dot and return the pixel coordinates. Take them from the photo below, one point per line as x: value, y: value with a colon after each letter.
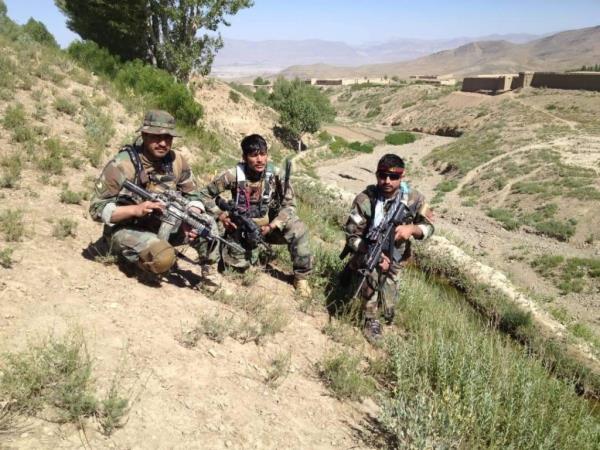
x: 458, y: 384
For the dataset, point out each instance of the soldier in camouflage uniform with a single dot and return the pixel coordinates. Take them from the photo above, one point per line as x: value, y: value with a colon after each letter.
x: 368, y: 209
x: 257, y: 189
x: 131, y: 229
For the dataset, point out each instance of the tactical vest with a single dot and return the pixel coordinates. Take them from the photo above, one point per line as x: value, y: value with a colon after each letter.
x: 142, y: 178
x: 242, y: 197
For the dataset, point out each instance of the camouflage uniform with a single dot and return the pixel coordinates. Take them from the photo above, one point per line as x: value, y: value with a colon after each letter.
x: 266, y: 205
x: 130, y: 238
x: 381, y: 288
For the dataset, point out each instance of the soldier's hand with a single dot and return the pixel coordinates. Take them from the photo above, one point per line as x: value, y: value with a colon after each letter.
x: 384, y: 263
x: 147, y: 207
x: 226, y: 221
x: 265, y: 229
x: 405, y: 232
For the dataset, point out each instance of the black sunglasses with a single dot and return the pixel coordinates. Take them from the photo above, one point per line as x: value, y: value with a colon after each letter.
x: 391, y: 176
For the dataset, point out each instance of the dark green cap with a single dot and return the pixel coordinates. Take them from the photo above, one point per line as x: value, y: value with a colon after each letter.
x: 157, y: 121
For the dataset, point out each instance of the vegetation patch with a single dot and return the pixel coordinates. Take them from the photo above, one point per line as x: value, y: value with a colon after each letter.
x: 569, y: 274
x: 341, y: 372
x: 400, y: 138
x: 53, y: 379
x: 11, y: 224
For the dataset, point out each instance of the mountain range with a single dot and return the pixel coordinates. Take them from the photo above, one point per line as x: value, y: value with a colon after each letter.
x: 566, y: 50
x: 256, y: 57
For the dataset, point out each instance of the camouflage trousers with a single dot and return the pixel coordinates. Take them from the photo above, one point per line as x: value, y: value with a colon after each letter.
x: 294, y: 235
x: 129, y: 242
x: 378, y: 290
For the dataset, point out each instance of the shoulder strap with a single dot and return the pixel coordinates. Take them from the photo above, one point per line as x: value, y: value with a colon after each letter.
x: 141, y: 178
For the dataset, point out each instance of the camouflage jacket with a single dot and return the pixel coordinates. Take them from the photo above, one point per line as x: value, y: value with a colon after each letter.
x: 265, y: 203
x: 361, y: 219
x: 173, y: 171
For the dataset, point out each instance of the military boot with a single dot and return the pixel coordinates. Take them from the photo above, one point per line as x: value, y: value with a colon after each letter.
x: 372, y: 331
x: 211, y: 279
x: 302, y: 287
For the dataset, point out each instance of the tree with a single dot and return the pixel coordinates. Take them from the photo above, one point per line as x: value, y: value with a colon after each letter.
x: 302, y: 107
x: 179, y: 36
x: 260, y: 81
x: 39, y: 33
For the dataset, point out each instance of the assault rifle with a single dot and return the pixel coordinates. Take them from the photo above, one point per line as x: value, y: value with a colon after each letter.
x: 381, y: 238
x: 175, y: 213
x: 249, y: 230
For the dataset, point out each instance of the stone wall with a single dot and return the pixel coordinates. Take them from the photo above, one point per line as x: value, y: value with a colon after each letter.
x: 589, y: 81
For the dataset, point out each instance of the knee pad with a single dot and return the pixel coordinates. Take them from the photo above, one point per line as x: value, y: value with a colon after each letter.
x: 158, y: 257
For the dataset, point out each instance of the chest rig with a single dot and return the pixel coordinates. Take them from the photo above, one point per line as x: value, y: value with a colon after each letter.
x: 242, y: 193
x: 150, y: 180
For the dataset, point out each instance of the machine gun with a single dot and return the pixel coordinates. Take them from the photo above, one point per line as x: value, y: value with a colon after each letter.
x: 250, y: 231
x: 175, y: 213
x: 381, y: 237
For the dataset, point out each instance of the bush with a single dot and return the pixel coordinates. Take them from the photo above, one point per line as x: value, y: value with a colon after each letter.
x: 57, y: 374
x: 11, y: 171
x: 160, y: 90
x: 11, y: 224
x: 6, y: 259
x: 505, y: 217
x: 39, y: 33
x: 64, y: 105
x: 400, y: 138
x: 234, y: 96
x: 260, y: 81
x: 65, y: 228
x: 343, y: 376
x: 367, y: 147
x: 94, y: 58
x: 70, y: 197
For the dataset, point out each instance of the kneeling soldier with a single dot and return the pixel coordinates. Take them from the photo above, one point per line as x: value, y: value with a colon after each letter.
x: 131, y: 229
x: 369, y: 209
x: 259, y: 193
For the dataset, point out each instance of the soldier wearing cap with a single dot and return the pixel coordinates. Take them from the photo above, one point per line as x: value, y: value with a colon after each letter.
x: 368, y: 210
x: 131, y: 229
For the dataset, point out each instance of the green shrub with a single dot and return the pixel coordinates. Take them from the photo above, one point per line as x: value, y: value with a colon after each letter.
x: 260, y: 81
x: 65, y: 106
x: 161, y: 90
x: 38, y: 31
x: 367, y: 147
x: 234, y: 97
x: 262, y: 96
x: 11, y: 171
x: 6, y: 260
x: 94, y: 58
x: 99, y: 127
x: 342, y: 374
x: 57, y: 373
x: 11, y: 224
x: 324, y: 137
x: 505, y: 217
x: 400, y: 138
x: 14, y: 116
x: 52, y: 160
x: 555, y: 229
x: 447, y: 185
x: 70, y: 197
x: 65, y: 228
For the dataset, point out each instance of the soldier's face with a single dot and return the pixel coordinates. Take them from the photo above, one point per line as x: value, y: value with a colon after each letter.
x: 257, y: 161
x: 157, y: 146
x: 389, y: 182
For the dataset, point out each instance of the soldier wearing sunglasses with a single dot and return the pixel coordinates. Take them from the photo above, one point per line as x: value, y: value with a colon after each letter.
x: 368, y: 210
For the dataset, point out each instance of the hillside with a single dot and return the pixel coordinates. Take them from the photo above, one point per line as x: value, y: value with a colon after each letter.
x: 91, y: 356
x: 562, y: 51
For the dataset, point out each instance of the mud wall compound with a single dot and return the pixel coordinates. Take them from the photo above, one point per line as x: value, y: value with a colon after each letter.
x: 496, y: 84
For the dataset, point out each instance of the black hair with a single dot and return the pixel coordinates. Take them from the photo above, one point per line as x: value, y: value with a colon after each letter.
x: 253, y: 143
x: 390, y: 160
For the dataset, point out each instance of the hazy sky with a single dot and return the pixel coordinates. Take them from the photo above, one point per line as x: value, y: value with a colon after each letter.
x: 359, y: 21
